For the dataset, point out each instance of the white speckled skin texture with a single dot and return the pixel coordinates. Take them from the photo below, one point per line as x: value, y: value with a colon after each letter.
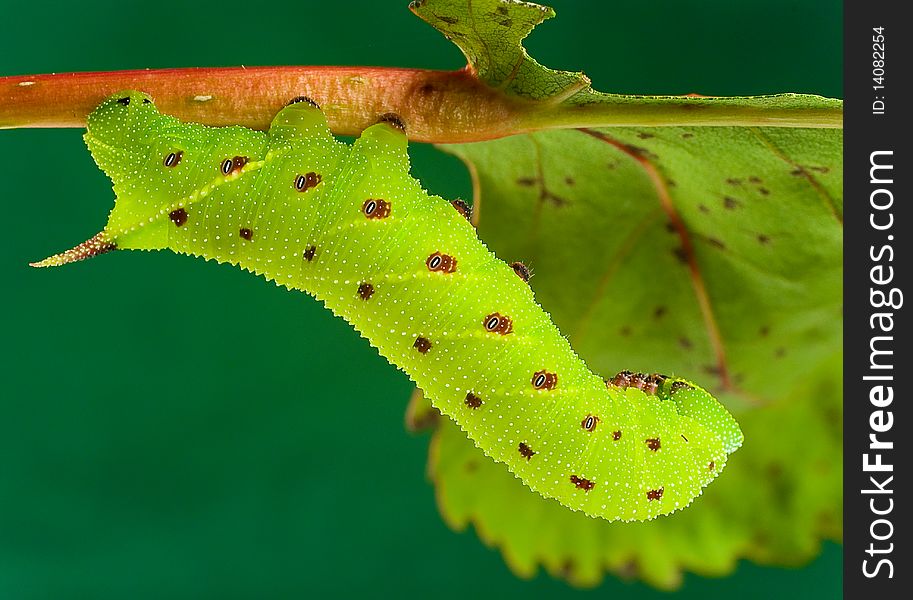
x: 349, y: 225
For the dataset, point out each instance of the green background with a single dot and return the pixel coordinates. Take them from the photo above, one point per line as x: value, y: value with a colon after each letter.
x: 171, y: 428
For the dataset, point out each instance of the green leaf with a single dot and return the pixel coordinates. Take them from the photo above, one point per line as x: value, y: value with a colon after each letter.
x: 713, y: 253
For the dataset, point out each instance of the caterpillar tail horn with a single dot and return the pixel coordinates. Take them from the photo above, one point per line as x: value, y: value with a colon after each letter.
x: 100, y: 243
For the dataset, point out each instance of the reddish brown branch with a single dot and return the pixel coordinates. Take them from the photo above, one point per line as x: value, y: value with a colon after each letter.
x: 437, y: 106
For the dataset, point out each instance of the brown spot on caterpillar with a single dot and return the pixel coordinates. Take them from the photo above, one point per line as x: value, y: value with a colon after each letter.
x: 730, y: 203
x: 375, y: 208
x: 681, y: 255
x: 655, y: 494
x: 582, y: 483
x: 543, y: 380
x: 173, y: 159
x: 298, y: 99
x: 653, y: 444
x: 393, y: 119
x: 622, y: 379
x: 124, y: 101
x: 659, y: 312
x: 569, y: 180
x: 526, y: 181
x: 246, y: 233
x: 764, y: 191
x: 616, y: 435
x: 441, y: 262
x: 233, y: 165
x: 521, y: 270
x: 307, y: 181
x: 525, y: 451
x: 653, y: 382
x: 590, y: 422
x: 679, y: 385
x: 423, y: 345
x: 711, y: 466
x: 497, y: 323
x: 683, y: 437
x: 309, y: 253
x: 472, y: 401
x: 462, y: 208
x: 670, y: 227
x: 178, y: 216
x: 763, y: 239
x: 365, y: 290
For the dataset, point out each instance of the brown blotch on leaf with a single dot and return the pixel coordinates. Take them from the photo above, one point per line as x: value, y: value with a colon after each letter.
x: 178, y: 216
x: 653, y: 444
x: 625, y: 331
x: 687, y: 135
x: 780, y: 353
x: 449, y: 20
x: 472, y: 401
x: 730, y: 203
x: 375, y: 208
x: 307, y: 181
x: 423, y: 345
x: 498, y: 323
x: 754, y: 179
x: 309, y: 253
x: 734, y: 181
x: 670, y: 227
x: 763, y: 239
x: 821, y: 169
x: 716, y: 243
x: 173, y: 159
x: 659, y: 312
x: 246, y: 233
x: 582, y: 483
x: 681, y: 254
x: 797, y: 171
x: 764, y: 331
x: 365, y: 290
x: 462, y: 208
x: 685, y: 343
x: 763, y: 191
x: 442, y: 263
x: 655, y: 494
x: 521, y: 270
x: 590, y: 422
x: 526, y: 181
x: 569, y: 180
x: 703, y: 208
x: 544, y: 380
x: 644, y: 135
x: 616, y: 435
x: 525, y: 451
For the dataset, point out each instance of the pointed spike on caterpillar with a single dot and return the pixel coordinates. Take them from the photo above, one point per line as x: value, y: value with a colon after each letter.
x: 95, y: 245
x: 349, y: 225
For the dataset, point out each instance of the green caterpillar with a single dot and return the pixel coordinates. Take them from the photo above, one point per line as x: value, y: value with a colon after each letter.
x: 349, y: 225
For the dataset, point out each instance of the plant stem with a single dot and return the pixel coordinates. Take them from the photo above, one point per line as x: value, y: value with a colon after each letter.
x: 437, y: 106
